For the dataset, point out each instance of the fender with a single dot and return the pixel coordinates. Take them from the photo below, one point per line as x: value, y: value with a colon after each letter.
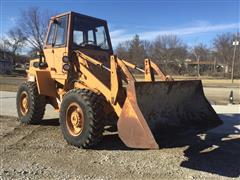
x: 45, y: 84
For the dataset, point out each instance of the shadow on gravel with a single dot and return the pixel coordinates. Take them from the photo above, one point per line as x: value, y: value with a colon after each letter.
x: 111, y: 142
x: 49, y: 122
x: 218, y: 152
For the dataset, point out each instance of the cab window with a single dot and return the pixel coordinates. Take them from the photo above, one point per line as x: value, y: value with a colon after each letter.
x: 51, y: 34
x: 61, y: 31
x: 101, y: 37
x: 77, y: 37
x: 91, y: 36
x: 89, y: 33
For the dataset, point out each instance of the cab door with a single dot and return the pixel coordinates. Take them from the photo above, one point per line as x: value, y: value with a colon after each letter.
x: 56, y: 44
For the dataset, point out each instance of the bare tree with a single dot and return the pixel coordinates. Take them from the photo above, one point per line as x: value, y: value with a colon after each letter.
x: 147, y: 47
x: 202, y: 51
x: 33, y: 25
x: 224, y: 48
x: 122, y: 50
x: 168, y: 48
x: 1, y: 44
x: 14, y: 42
x: 169, y: 51
x: 2, y: 49
x: 163, y: 50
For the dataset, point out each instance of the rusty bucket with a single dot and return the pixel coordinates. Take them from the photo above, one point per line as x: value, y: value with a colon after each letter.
x: 154, y: 108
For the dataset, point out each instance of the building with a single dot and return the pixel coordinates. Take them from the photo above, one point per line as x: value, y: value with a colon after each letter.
x: 205, y: 66
x: 6, y: 66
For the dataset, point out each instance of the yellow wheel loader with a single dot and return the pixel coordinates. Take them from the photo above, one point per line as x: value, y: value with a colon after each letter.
x: 78, y: 74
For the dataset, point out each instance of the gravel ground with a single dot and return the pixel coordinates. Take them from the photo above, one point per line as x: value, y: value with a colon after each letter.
x: 40, y: 152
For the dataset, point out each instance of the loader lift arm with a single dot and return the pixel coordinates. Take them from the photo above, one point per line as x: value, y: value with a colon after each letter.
x: 150, y: 66
x: 148, y: 72
x: 141, y: 135
x: 115, y: 63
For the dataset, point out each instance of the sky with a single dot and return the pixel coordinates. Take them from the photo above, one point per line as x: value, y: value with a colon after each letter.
x: 193, y: 21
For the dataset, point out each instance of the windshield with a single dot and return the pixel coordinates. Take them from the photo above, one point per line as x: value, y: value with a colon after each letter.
x: 89, y: 33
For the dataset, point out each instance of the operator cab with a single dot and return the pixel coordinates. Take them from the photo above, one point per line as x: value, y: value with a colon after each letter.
x: 74, y: 31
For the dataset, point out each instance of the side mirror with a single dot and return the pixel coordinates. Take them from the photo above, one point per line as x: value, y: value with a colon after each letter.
x: 54, y: 20
x: 40, y: 54
x: 42, y: 63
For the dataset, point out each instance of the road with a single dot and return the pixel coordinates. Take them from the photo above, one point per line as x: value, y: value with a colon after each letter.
x: 8, y: 106
x: 220, y: 95
x: 216, y: 96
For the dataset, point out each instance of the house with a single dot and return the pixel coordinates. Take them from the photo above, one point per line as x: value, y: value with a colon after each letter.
x: 205, y: 65
x: 6, y: 66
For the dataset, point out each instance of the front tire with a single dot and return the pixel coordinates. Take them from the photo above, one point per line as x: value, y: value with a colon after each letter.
x: 30, y: 105
x: 81, y: 118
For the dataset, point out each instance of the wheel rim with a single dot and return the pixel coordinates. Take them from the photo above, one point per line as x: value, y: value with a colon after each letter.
x: 24, y: 103
x: 74, y: 119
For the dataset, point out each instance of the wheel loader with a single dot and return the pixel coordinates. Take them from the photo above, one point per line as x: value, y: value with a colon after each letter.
x: 78, y: 74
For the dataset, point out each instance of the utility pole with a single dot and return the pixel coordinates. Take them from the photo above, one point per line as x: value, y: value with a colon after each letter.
x: 235, y: 44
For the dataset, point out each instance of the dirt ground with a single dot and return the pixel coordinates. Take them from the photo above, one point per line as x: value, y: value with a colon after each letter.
x: 40, y: 152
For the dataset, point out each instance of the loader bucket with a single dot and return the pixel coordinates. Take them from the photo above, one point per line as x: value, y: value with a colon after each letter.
x: 152, y: 109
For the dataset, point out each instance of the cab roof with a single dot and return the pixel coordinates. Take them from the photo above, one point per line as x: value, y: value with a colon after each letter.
x: 78, y: 14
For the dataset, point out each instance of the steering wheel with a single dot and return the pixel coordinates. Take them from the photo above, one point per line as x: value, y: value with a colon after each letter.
x: 87, y: 42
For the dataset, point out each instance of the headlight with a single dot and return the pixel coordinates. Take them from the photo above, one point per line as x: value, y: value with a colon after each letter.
x: 66, y: 67
x: 65, y: 59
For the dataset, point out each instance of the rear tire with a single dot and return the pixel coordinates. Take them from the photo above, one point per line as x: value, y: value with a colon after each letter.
x: 81, y: 118
x: 30, y: 105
